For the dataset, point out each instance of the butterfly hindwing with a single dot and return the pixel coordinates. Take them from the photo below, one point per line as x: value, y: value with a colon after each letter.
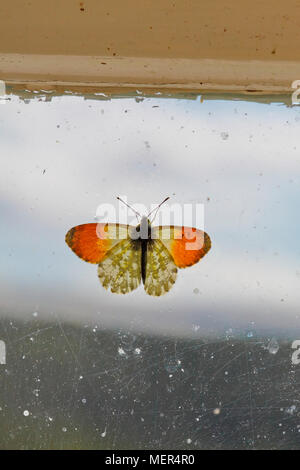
x: 91, y: 242
x: 187, y: 245
x: 120, y: 270
x: 161, y: 271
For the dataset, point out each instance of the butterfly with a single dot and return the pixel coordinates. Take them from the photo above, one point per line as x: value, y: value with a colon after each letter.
x: 127, y: 254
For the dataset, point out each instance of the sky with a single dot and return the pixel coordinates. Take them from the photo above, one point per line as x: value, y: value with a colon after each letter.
x: 61, y: 159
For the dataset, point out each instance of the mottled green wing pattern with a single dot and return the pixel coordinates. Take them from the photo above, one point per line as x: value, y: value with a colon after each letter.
x: 120, y: 270
x: 161, y: 270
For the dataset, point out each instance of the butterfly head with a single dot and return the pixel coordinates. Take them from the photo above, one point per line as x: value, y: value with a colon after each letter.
x: 144, y: 228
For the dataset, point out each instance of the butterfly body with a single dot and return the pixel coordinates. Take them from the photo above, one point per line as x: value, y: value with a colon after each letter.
x: 144, y: 238
x: 127, y: 255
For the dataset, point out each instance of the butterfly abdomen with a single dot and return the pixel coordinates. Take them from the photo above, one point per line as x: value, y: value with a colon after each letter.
x: 146, y: 245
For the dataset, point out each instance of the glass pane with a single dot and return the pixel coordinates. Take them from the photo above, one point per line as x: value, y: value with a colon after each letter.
x: 211, y: 364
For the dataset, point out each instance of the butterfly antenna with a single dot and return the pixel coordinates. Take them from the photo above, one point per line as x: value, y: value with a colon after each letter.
x: 156, y: 208
x: 133, y: 210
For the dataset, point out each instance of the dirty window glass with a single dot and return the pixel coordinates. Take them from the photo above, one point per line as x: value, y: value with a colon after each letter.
x: 213, y: 363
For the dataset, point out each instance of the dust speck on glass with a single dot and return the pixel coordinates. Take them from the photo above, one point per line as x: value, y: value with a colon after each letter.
x: 212, y: 364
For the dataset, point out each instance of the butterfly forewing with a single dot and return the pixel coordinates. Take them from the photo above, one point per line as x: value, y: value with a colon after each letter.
x: 187, y: 245
x: 92, y: 242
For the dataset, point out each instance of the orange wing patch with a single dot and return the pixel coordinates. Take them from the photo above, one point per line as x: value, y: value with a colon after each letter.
x: 91, y: 242
x: 187, y: 245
